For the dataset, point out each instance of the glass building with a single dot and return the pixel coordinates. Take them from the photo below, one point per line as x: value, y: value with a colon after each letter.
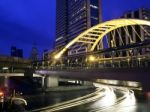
x: 135, y: 32
x: 73, y: 17
x: 15, y: 52
x: 61, y: 23
x: 141, y: 13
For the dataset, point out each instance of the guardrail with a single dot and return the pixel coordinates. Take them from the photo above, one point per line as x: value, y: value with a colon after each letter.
x: 116, y: 62
x: 14, y: 59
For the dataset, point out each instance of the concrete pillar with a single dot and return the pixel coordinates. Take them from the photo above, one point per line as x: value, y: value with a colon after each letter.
x: 80, y: 82
x: 87, y: 83
x: 4, y: 81
x: 51, y: 81
x: 43, y: 82
x: 1, y: 81
x: 76, y: 82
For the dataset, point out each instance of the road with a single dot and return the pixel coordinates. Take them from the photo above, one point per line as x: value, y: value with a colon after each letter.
x: 103, y: 99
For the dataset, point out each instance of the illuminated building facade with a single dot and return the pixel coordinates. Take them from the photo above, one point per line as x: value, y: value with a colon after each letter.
x: 74, y: 17
x: 136, y: 33
x: 141, y: 13
x: 61, y: 23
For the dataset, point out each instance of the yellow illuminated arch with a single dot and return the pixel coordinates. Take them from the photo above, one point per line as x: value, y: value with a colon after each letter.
x: 99, y: 31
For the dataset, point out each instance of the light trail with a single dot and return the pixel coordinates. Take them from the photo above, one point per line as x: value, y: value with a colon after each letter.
x: 106, y: 97
x: 120, y: 104
x: 98, y: 96
x: 125, y: 101
x: 71, y: 103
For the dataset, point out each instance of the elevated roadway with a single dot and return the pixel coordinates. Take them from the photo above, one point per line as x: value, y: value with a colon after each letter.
x: 123, y: 74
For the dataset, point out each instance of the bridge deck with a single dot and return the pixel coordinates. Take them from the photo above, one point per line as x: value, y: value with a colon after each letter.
x: 125, y: 74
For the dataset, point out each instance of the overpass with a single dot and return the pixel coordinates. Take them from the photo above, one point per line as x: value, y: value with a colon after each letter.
x: 13, y: 64
x: 126, y: 57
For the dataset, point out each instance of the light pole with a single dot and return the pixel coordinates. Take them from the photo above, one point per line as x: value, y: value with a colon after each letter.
x: 92, y: 59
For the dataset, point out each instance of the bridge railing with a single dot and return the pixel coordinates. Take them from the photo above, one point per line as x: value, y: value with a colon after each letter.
x: 13, y: 64
x: 141, y: 61
x: 14, y: 59
x: 129, y: 56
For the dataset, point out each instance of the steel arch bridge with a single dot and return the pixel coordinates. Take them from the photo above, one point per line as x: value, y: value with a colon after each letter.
x: 93, y: 36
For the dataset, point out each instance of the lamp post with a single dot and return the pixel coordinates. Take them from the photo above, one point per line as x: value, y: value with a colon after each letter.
x: 92, y: 60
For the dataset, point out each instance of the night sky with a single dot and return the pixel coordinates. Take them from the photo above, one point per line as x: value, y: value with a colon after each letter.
x: 25, y: 22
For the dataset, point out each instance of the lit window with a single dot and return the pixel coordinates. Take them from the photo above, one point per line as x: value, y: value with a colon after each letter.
x: 94, y: 18
x: 59, y: 38
x: 93, y: 6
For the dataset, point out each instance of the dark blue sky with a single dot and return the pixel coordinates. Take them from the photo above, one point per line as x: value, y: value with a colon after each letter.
x: 24, y: 22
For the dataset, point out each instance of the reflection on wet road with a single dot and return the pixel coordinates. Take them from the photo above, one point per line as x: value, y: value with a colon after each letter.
x: 103, y: 99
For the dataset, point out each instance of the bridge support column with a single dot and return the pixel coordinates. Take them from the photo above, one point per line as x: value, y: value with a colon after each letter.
x: 43, y: 82
x: 80, y: 82
x: 51, y: 81
x: 145, y: 85
x: 4, y: 81
x: 87, y: 83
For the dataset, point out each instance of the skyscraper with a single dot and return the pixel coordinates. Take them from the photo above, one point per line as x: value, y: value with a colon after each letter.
x: 13, y: 51
x: 16, y: 52
x: 137, y: 33
x: 141, y: 13
x: 74, y: 17
x: 61, y: 23
x: 34, y: 53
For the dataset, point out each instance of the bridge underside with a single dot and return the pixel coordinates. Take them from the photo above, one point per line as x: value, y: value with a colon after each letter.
x: 136, y: 74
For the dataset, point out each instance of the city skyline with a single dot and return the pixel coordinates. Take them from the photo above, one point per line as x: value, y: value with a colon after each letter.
x: 27, y: 25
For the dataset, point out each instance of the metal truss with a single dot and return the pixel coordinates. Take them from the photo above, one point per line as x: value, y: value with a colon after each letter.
x: 95, y: 35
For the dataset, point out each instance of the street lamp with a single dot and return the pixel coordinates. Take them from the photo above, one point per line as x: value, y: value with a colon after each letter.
x: 91, y: 58
x: 57, y: 56
x: 5, y: 68
x: 139, y: 62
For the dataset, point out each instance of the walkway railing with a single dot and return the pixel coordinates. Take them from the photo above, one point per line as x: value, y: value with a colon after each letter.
x: 141, y: 61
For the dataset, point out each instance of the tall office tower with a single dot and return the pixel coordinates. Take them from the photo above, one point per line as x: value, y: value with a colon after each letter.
x: 20, y: 53
x: 74, y: 17
x: 34, y: 53
x: 61, y: 23
x: 16, y: 52
x: 13, y: 51
x: 141, y: 13
x: 142, y: 36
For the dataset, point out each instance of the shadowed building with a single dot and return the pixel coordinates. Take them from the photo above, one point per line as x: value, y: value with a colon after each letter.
x: 34, y: 53
x: 16, y: 52
x: 141, y: 13
x: 131, y: 34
